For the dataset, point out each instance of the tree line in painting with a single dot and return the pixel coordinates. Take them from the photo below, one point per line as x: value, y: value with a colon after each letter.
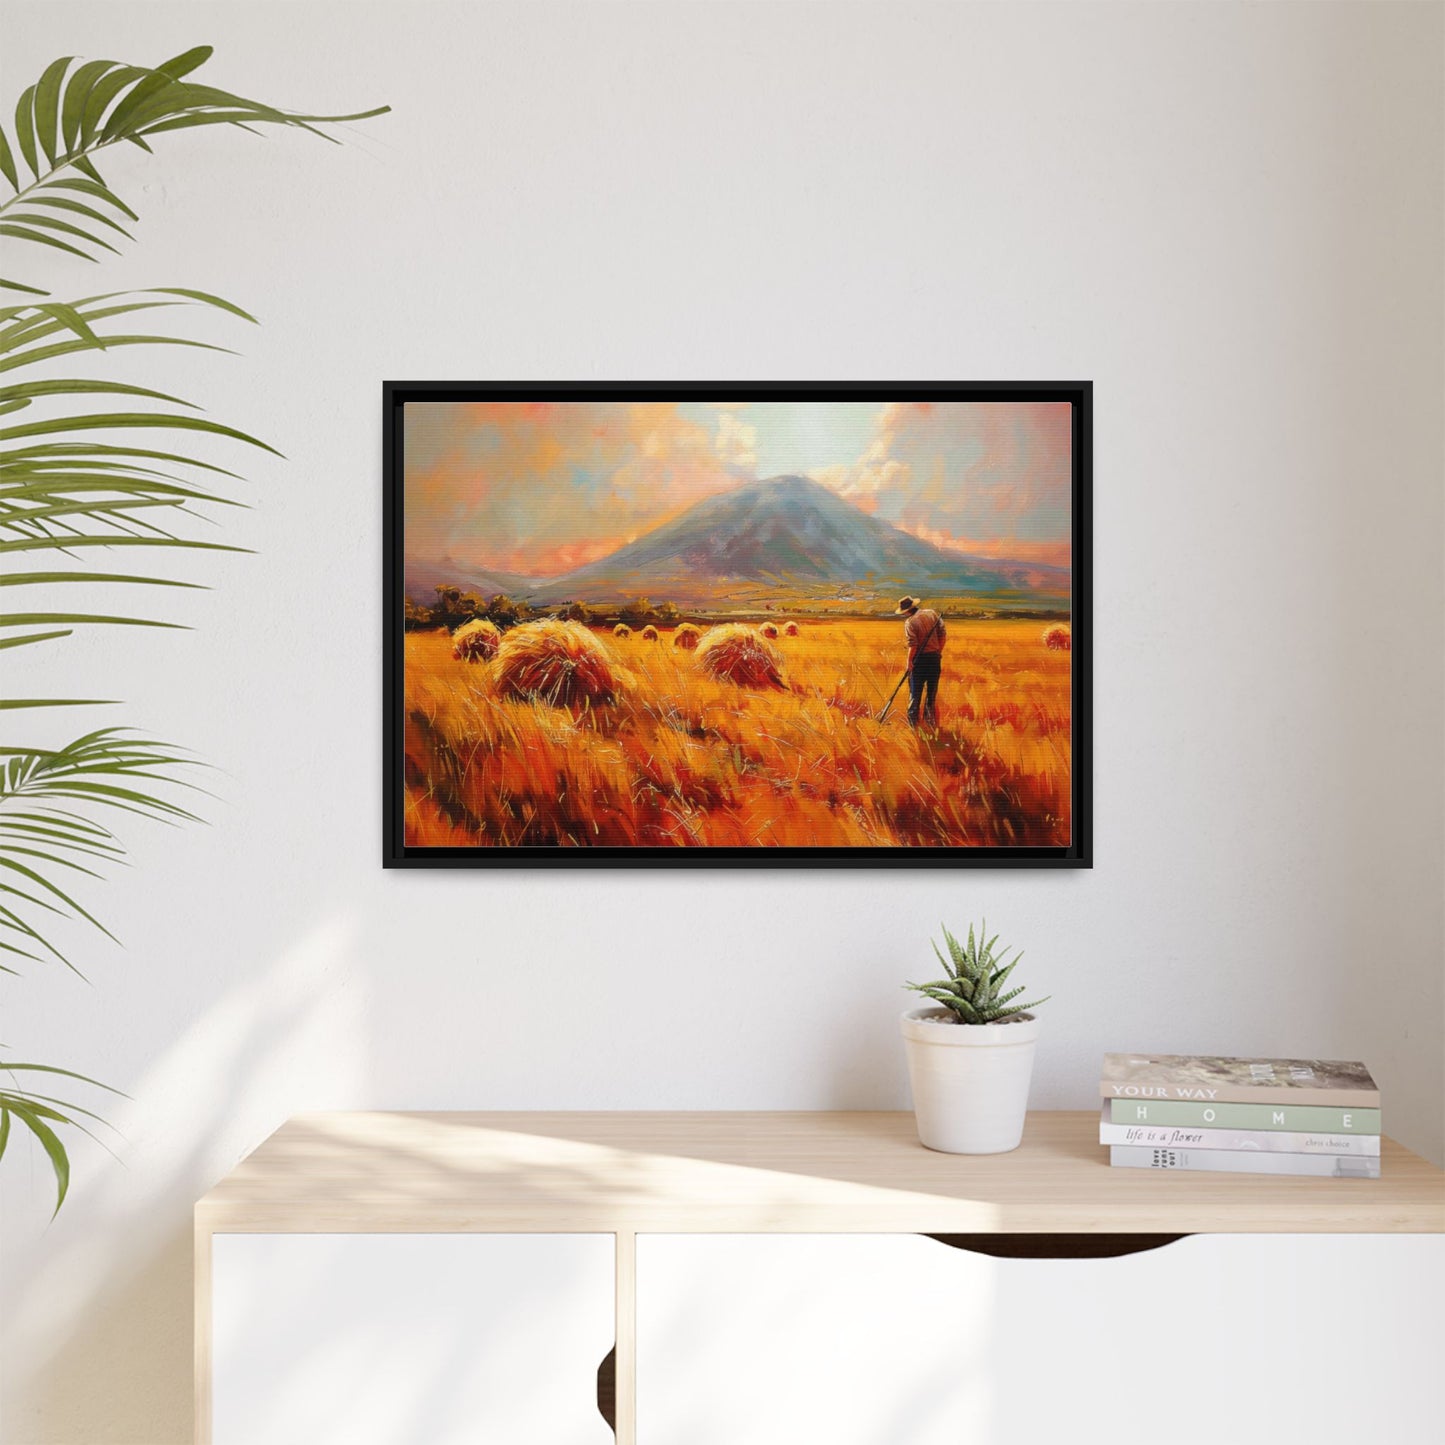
x: 455, y: 606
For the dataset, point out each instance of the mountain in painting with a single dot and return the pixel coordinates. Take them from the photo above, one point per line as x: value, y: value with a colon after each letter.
x: 423, y: 578
x: 790, y: 531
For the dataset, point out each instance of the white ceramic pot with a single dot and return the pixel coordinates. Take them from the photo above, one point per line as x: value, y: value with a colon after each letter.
x: 970, y: 1081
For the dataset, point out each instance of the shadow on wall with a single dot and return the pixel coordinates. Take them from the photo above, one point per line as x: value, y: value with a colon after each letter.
x: 122, y: 1374
x: 863, y: 1060
x: 111, y: 1365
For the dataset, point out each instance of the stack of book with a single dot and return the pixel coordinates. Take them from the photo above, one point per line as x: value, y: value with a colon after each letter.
x: 1242, y: 1116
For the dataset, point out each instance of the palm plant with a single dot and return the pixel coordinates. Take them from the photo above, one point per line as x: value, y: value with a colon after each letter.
x: 74, y: 486
x: 973, y: 989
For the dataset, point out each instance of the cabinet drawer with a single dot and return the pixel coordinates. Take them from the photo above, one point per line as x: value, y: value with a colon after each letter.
x: 390, y: 1339
x: 865, y: 1339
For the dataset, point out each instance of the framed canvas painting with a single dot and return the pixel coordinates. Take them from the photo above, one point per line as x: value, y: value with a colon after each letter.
x: 737, y: 623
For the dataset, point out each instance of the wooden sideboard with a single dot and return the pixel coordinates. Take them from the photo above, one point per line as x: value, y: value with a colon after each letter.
x: 684, y: 1194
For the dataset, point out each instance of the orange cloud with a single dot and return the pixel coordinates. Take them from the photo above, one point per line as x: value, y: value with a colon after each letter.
x: 993, y: 479
x: 1003, y: 549
x: 538, y: 488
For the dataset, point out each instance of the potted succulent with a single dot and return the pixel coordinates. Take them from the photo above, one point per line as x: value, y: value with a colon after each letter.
x: 970, y: 1058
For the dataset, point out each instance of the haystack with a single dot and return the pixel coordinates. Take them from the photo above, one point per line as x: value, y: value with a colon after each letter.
x: 686, y: 636
x: 557, y: 662
x: 737, y: 654
x: 622, y: 630
x: 1059, y: 638
x: 769, y: 630
x: 475, y: 641
x: 791, y: 630
x: 649, y: 633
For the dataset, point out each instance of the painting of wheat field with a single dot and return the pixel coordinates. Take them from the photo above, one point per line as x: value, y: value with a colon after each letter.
x: 771, y: 629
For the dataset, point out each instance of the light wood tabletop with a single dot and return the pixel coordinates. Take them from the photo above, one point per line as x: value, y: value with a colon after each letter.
x: 747, y: 1172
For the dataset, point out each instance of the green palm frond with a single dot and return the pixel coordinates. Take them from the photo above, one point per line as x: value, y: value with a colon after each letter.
x: 89, y: 466
x: 75, y: 111
x: 63, y: 490
x: 40, y: 1113
x: 45, y: 796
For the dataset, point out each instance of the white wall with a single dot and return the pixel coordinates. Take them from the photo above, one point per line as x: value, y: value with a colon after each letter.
x: 1229, y: 217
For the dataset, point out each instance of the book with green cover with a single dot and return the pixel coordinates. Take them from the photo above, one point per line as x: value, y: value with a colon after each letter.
x: 1223, y: 1136
x: 1307, y: 1118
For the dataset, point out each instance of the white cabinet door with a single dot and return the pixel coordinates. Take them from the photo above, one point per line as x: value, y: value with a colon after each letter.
x: 397, y: 1339
x: 900, y: 1340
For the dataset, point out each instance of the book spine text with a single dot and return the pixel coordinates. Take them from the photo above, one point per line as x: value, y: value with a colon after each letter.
x: 1232, y: 1161
x: 1268, y: 1141
x: 1298, y: 1118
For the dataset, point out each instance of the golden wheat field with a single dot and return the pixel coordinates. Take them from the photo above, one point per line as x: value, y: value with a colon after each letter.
x: 679, y: 759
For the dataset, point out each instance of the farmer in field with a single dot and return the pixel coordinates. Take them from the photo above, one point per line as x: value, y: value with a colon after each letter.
x: 925, y: 634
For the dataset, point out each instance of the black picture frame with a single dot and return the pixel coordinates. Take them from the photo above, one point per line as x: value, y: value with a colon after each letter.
x: 1078, y: 853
